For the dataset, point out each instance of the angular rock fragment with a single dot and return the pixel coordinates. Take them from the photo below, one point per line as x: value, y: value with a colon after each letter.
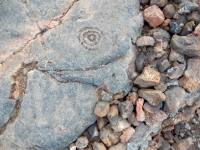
x: 174, y: 97
x: 108, y: 137
x: 127, y: 134
x: 148, y: 77
x: 183, y: 144
x: 169, y: 11
x: 191, y: 78
x: 93, y: 131
x: 113, y: 114
x: 165, y: 36
x: 72, y: 146
x: 132, y: 120
x: 176, y: 71
x: 189, y: 46
x: 154, y: 97
x: 154, y: 16
x: 145, y: 41
x: 132, y: 96
x: 174, y: 56
x: 140, y: 62
x: 101, y: 122
x: 162, y: 87
x: 164, y: 65
x: 140, y: 115
x: 174, y: 28
x: 121, y: 125
x: 187, y: 28
x: 194, y: 16
x: 125, y: 109
x: 150, y: 108
x: 101, y: 109
x: 187, y: 7
x: 82, y: 142
x: 156, y: 118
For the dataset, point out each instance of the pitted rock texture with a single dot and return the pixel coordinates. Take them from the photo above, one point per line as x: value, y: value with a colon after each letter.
x: 57, y: 59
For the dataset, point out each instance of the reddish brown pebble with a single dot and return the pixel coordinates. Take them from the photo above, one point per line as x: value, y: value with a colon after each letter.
x: 140, y: 116
x: 127, y: 134
x: 154, y: 16
x: 197, y: 30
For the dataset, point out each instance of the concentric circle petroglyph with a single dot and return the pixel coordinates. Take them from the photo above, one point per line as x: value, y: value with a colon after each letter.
x: 90, y: 37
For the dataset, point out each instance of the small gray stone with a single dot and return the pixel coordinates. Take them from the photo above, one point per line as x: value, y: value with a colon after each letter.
x: 145, y: 41
x: 189, y: 46
x: 165, y: 36
x: 191, y: 78
x: 176, y: 71
x: 188, y: 28
x: 132, y: 120
x: 155, y: 118
x: 187, y: 7
x: 194, y: 16
x: 174, y: 98
x: 159, y: 3
x: 140, y: 62
x: 162, y: 87
x: 121, y: 125
x: 174, y: 56
x: 172, y: 82
x: 125, y: 109
x: 169, y: 11
x: 154, y: 97
x: 101, y: 122
x: 164, y: 65
x: 113, y: 114
x: 108, y: 137
x: 92, y: 130
x: 82, y: 142
x: 150, y: 108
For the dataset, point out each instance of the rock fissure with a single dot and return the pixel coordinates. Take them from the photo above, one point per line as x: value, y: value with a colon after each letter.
x: 18, y: 87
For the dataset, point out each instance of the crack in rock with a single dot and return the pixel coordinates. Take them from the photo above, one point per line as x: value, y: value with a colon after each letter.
x: 18, y: 87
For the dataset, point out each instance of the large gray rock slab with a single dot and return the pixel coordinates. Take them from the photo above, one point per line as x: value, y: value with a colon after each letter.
x: 6, y: 105
x: 16, y: 28
x: 81, y: 50
x: 52, y: 114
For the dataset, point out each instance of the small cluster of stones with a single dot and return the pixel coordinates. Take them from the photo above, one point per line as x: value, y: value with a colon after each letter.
x: 166, y: 91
